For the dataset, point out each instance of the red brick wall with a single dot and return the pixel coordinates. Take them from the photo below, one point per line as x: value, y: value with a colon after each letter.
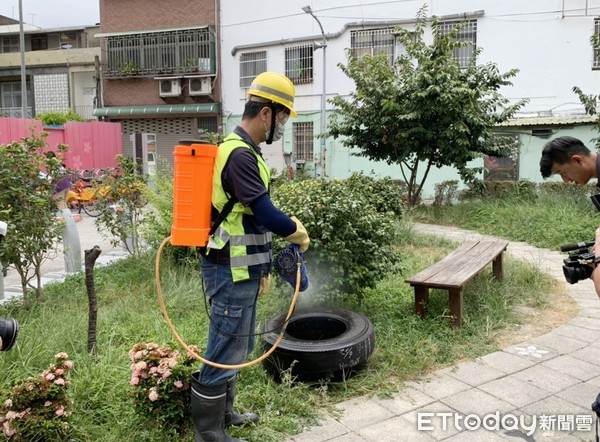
x: 132, y: 92
x: 137, y: 15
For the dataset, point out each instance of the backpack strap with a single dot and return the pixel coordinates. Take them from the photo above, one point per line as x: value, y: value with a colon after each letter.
x: 223, y: 214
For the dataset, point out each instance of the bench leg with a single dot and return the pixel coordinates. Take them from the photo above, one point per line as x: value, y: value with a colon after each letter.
x: 497, y: 267
x: 456, y: 306
x: 421, y: 300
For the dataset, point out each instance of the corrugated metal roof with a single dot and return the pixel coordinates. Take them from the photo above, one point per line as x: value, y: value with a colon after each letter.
x: 550, y: 121
x: 159, y: 109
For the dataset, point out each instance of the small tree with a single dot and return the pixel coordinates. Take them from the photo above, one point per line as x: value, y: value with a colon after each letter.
x: 27, y: 206
x: 590, y: 101
x: 122, y: 203
x: 424, y: 108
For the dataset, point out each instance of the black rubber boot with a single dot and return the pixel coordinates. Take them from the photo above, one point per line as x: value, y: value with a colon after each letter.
x: 231, y: 417
x: 208, y: 412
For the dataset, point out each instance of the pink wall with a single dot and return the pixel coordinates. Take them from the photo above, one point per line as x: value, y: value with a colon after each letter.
x: 92, y: 145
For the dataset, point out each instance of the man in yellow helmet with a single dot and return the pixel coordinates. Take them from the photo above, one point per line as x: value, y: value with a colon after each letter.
x: 238, y: 262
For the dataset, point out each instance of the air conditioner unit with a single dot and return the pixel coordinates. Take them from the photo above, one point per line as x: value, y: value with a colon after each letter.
x: 169, y: 88
x: 199, y: 86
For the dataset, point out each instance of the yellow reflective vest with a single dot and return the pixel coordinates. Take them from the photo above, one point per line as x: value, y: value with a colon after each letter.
x: 249, y: 244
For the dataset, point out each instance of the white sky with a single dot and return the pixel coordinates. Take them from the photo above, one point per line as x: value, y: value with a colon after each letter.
x: 53, y: 13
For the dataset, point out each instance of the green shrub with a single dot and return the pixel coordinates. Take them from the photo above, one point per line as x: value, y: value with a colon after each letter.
x: 384, y: 194
x: 38, y: 408
x: 445, y: 193
x: 58, y: 118
x: 160, y: 380
x: 350, y: 239
x: 521, y: 189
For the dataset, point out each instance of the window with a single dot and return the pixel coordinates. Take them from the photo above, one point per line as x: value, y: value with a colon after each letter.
x: 155, y: 53
x: 303, y: 141
x: 502, y: 169
x: 299, y: 64
x: 39, y: 42
x: 596, y: 37
x: 464, y: 54
x: 375, y: 41
x: 207, y: 125
x: 10, y: 44
x: 252, y: 64
x: 11, y: 99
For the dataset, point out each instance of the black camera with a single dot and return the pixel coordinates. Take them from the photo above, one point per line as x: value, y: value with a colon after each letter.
x: 596, y: 406
x: 9, y: 328
x: 580, y: 263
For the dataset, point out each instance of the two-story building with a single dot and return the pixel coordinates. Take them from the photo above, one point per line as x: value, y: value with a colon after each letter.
x: 549, y: 42
x: 60, y: 65
x: 160, y: 73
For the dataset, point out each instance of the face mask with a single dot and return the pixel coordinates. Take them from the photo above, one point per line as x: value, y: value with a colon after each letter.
x: 279, y: 130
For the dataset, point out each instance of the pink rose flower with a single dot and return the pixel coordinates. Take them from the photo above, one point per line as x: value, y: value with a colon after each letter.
x: 178, y: 384
x: 153, y: 395
x: 135, y: 381
x: 59, y: 381
x: 8, y: 432
x: 60, y: 411
x: 141, y: 365
x: 68, y: 364
x: 50, y: 376
x: 61, y: 355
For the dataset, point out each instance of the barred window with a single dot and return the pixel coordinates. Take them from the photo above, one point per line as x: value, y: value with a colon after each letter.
x: 373, y: 42
x: 252, y: 64
x: 596, y: 58
x: 303, y: 148
x: 299, y: 64
x: 464, y: 54
x: 207, y: 125
x: 182, y: 51
x: 10, y: 44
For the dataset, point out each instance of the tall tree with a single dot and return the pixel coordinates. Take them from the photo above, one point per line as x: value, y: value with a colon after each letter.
x: 424, y: 110
x: 590, y: 101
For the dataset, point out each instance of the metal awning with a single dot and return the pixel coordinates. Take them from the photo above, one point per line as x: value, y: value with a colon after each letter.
x: 148, y: 31
x: 558, y: 120
x: 160, y: 109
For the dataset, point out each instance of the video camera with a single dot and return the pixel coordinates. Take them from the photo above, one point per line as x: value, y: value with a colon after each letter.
x: 9, y: 328
x: 578, y: 265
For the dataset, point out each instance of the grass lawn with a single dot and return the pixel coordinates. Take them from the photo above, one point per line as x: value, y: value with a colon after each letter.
x: 407, y: 348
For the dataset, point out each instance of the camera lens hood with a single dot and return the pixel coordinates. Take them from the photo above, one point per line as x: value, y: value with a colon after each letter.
x: 9, y: 329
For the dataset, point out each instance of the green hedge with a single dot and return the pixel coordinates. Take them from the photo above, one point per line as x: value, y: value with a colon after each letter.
x: 351, y: 223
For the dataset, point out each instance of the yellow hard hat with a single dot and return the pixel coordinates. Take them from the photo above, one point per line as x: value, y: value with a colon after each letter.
x: 274, y: 87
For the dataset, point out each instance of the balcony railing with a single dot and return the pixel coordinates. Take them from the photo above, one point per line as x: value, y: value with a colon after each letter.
x: 177, y: 52
x: 15, y: 112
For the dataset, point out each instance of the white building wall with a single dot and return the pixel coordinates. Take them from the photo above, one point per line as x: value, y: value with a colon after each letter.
x: 547, y: 40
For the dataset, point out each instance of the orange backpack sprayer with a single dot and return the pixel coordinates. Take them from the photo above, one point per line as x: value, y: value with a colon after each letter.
x: 192, y: 196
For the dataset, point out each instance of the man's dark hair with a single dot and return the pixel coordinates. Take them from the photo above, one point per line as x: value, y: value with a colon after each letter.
x: 560, y: 151
x: 252, y: 108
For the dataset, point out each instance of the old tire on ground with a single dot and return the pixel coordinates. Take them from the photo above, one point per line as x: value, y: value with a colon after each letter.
x: 319, y: 344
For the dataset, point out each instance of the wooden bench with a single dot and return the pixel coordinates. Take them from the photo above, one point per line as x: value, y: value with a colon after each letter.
x: 454, y: 271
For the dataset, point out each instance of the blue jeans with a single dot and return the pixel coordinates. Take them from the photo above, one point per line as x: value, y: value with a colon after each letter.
x: 232, y: 321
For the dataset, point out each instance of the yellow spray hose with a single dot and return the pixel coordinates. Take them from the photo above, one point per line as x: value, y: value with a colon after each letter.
x: 193, y: 353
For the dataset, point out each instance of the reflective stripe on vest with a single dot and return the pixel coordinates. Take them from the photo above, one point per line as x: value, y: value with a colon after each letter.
x: 249, y: 239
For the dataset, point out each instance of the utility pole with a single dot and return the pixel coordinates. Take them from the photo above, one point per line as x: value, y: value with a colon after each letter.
x: 22, y: 50
x: 323, y: 153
